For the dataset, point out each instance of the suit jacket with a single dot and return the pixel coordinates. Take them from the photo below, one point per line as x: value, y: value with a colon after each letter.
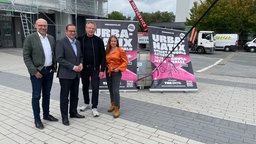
x: 33, y: 53
x: 67, y: 59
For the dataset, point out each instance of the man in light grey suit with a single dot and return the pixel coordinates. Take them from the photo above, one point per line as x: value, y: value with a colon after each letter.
x: 39, y: 57
x: 70, y: 59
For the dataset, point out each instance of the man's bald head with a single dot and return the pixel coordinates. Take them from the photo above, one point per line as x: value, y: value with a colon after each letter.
x: 41, y: 26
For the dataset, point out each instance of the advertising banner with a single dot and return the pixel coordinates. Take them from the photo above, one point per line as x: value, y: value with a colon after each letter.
x: 176, y: 72
x: 126, y: 32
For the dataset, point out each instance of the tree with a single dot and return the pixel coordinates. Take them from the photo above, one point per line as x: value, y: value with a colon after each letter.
x: 227, y: 16
x: 115, y: 15
x: 156, y: 17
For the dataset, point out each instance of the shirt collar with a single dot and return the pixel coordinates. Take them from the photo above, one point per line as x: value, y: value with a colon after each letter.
x: 70, y: 40
x: 41, y: 35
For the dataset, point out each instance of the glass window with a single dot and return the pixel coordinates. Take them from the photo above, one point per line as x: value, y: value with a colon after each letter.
x: 206, y: 36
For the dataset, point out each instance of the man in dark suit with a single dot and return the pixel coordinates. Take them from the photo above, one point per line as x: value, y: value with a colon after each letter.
x: 39, y: 58
x: 70, y: 59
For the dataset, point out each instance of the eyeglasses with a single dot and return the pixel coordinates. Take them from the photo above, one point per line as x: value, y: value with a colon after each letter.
x: 71, y: 31
x: 42, y: 25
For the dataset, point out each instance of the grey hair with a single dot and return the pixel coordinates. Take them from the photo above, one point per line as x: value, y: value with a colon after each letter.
x: 91, y: 22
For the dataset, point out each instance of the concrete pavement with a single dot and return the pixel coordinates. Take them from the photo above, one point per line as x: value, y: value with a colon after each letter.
x: 222, y: 111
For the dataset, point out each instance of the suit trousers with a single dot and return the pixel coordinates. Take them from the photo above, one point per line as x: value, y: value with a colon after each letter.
x: 113, y: 85
x: 43, y: 85
x: 93, y: 73
x: 68, y: 87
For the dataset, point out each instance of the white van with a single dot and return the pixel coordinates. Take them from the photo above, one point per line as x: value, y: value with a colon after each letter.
x: 227, y: 42
x: 250, y: 46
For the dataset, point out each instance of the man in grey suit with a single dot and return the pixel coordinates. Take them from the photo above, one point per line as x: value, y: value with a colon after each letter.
x: 70, y: 59
x: 39, y: 58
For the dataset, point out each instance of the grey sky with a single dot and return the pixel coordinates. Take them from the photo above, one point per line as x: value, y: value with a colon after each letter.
x: 124, y: 6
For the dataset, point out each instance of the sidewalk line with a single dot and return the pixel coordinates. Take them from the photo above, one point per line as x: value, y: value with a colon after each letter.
x: 210, y: 66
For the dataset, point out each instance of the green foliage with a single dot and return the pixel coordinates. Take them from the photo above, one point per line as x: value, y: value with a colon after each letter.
x: 227, y: 16
x: 115, y: 15
x: 156, y: 17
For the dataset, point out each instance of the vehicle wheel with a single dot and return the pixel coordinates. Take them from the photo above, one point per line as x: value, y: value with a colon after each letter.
x: 200, y: 50
x: 252, y: 49
x: 227, y: 48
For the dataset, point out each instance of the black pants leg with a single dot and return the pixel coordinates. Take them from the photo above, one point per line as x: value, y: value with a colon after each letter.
x: 69, y: 86
x: 85, y: 75
x: 64, y: 92
x: 92, y: 73
x: 74, y: 96
x: 95, y: 82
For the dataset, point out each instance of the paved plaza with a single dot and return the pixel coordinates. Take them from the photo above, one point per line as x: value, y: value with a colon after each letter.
x: 222, y: 111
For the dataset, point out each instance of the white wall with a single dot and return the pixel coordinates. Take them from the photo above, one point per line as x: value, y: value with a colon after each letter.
x: 61, y: 20
x: 183, y: 9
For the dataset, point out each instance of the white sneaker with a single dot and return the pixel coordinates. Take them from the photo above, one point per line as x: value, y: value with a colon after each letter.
x: 95, y: 112
x: 84, y: 107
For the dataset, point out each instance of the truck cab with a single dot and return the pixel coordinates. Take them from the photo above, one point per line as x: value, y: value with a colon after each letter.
x: 203, y: 43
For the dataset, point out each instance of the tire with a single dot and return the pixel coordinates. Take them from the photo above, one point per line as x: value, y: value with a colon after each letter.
x: 252, y: 49
x: 200, y: 50
x: 227, y: 48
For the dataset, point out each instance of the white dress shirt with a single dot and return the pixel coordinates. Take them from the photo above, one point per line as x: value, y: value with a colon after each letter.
x: 47, y: 49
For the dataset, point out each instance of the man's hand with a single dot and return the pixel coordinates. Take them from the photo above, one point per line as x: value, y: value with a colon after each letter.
x: 80, y: 67
x: 38, y: 75
x: 101, y: 74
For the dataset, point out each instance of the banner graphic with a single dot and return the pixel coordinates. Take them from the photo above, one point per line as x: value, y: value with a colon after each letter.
x: 176, y: 72
x: 126, y: 32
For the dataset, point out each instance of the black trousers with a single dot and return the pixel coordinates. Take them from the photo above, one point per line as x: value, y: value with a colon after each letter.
x: 91, y: 75
x: 68, y: 86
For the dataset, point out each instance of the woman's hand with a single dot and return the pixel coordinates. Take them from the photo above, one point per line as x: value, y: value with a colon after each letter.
x: 115, y: 70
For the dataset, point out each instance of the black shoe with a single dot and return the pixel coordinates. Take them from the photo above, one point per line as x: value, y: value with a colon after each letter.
x: 39, y: 125
x: 77, y: 116
x: 50, y: 118
x: 65, y: 121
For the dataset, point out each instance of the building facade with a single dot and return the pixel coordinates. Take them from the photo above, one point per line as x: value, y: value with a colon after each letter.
x: 17, y: 17
x: 183, y: 9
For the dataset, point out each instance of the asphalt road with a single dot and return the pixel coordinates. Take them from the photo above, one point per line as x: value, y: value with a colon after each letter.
x: 238, y: 64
